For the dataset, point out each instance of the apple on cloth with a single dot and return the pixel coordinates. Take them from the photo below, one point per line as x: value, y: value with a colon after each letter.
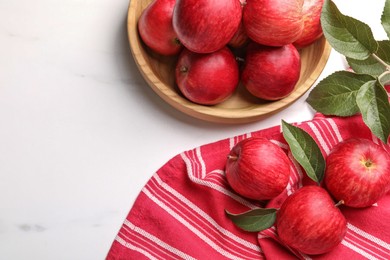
x: 180, y: 212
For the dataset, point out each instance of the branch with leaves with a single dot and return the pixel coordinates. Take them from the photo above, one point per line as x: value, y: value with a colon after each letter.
x: 346, y: 93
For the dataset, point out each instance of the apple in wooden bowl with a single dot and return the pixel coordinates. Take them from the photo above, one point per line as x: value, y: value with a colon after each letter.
x: 241, y: 107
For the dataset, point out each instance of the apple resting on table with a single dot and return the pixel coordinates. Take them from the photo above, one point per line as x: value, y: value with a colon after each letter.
x: 257, y: 169
x: 358, y: 172
x: 156, y: 30
x: 207, y: 79
x: 271, y: 73
x: 206, y: 26
x: 310, y: 222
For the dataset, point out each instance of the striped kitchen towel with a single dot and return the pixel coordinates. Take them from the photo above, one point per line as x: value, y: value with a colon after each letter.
x: 179, y: 214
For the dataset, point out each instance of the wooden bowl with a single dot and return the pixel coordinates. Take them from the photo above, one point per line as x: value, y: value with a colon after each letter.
x: 241, y: 107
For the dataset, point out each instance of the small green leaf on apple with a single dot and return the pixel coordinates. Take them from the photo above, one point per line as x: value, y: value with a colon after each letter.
x: 254, y: 220
x: 305, y: 150
x: 374, y: 105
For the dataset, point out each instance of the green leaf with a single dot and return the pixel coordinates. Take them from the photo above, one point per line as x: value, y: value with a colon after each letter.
x: 371, y: 65
x: 336, y: 94
x: 345, y: 34
x: 374, y: 105
x: 385, y: 19
x: 254, y: 220
x: 305, y: 150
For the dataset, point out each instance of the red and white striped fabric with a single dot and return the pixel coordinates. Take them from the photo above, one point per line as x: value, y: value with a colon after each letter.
x: 179, y: 214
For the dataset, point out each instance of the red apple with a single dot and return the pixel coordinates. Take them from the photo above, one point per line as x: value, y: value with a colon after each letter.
x: 358, y: 172
x: 257, y: 169
x: 271, y: 73
x: 156, y: 30
x: 310, y: 222
x: 207, y: 79
x: 206, y: 26
x: 273, y: 22
x: 312, y: 29
x: 240, y: 38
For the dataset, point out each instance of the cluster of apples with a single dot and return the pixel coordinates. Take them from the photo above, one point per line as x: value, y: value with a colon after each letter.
x: 207, y: 35
x: 357, y: 175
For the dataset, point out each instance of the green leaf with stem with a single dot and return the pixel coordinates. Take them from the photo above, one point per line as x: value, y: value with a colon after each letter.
x: 254, y: 220
x: 305, y: 150
x: 374, y: 105
x: 345, y: 34
x: 376, y: 64
x: 385, y: 18
x: 336, y: 94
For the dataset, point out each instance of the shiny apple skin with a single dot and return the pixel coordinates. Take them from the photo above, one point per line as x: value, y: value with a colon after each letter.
x: 273, y: 22
x: 207, y: 79
x: 240, y: 38
x: 156, y: 30
x: 309, y: 221
x: 271, y: 73
x: 347, y: 177
x: 205, y: 26
x: 257, y: 169
x: 312, y: 29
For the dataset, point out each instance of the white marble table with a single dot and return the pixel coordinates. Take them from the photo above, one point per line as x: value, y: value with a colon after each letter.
x: 80, y: 130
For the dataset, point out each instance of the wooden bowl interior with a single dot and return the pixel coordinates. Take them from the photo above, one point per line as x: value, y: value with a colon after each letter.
x: 241, y: 107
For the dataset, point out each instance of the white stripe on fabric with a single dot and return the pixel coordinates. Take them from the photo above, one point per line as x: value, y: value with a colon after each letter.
x: 194, y: 208
x: 236, y: 139
x: 319, y: 137
x: 329, y: 130
x: 187, y: 215
x: 201, y: 161
x: 358, y: 250
x: 360, y: 243
x: 298, y: 169
x: 196, y: 167
x: 289, y: 188
x: 142, y: 241
x: 189, y: 226
x: 132, y: 247
x: 231, y: 143
x: 369, y: 236
x: 219, y: 171
x: 272, y: 234
x: 280, y: 144
x: 157, y: 241
x: 213, y: 185
x: 322, y: 131
x: 335, y: 129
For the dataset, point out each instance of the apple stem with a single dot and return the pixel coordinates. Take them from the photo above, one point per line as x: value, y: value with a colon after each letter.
x: 232, y: 157
x: 341, y: 202
x: 183, y: 69
x: 177, y: 41
x: 368, y: 163
x: 239, y: 59
x: 381, y: 61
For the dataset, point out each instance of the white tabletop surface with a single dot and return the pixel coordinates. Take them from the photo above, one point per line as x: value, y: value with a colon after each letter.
x: 80, y: 130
